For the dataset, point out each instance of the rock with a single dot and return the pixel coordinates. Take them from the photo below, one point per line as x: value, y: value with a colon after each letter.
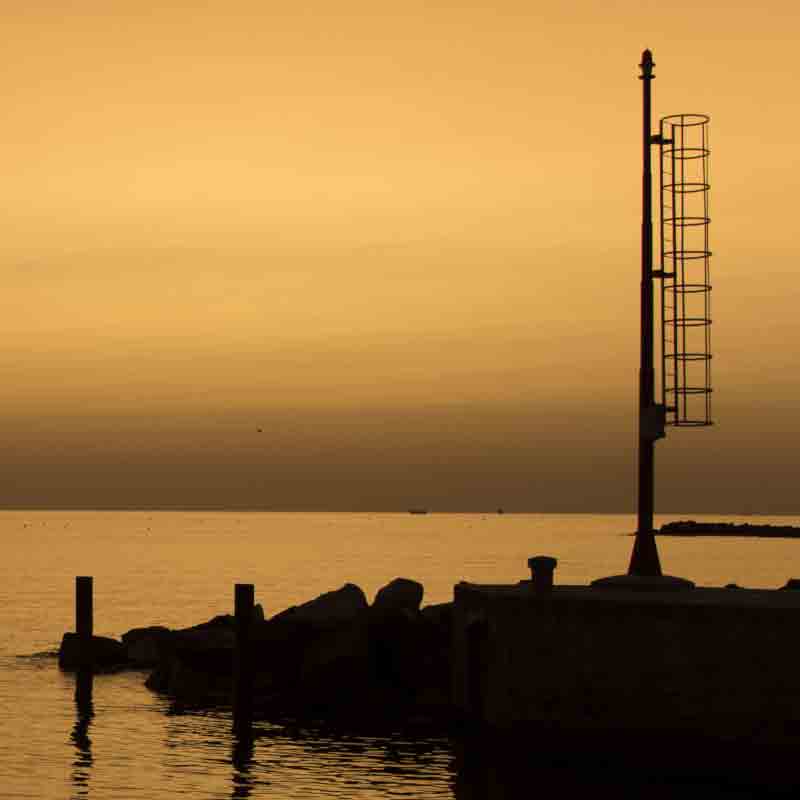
x: 732, y: 586
x: 201, y: 639
x: 336, y: 667
x: 220, y: 621
x: 145, y: 646
x: 398, y: 642
x: 195, y: 664
x: 333, y: 658
x: 105, y: 652
x: 195, y: 678
x: 158, y: 679
x: 399, y: 594
x: 258, y: 613
x: 440, y: 615
x: 792, y: 583
x: 279, y: 646
x: 329, y: 609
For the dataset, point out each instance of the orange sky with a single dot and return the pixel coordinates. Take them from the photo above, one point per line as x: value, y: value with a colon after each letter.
x: 402, y: 243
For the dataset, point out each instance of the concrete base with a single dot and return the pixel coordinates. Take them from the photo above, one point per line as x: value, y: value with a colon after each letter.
x: 643, y: 583
x: 633, y: 654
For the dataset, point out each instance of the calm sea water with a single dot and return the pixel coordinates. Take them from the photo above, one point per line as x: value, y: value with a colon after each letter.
x: 178, y: 569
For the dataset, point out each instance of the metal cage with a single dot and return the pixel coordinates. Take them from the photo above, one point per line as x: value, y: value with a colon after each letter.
x: 685, y: 273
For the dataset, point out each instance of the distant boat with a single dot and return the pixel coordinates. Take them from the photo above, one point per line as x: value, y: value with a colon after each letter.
x: 417, y: 510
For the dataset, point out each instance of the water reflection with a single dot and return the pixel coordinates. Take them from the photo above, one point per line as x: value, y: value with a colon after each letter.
x: 84, y: 712
x: 242, y: 760
x: 290, y: 762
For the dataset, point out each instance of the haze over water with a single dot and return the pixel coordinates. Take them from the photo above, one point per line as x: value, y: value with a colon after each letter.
x: 178, y: 569
x: 401, y: 240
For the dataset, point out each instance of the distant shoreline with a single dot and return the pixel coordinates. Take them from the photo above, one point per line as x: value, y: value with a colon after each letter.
x: 691, y: 527
x: 483, y: 512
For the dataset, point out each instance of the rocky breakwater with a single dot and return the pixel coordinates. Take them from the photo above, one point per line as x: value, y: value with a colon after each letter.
x: 690, y: 527
x: 335, y: 657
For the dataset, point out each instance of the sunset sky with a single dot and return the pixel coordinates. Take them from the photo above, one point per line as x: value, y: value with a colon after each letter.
x: 402, y: 240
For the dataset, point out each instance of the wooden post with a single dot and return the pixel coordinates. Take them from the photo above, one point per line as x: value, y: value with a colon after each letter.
x: 84, y: 617
x: 244, y: 596
x: 84, y: 628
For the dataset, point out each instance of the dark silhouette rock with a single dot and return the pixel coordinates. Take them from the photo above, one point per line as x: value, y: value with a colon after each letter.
x: 195, y: 664
x: 440, y: 615
x: 398, y: 640
x: 145, y: 646
x: 106, y: 653
x: 330, y: 608
x: 195, y: 677
x: 201, y: 639
x: 279, y: 646
x: 690, y: 527
x: 792, y: 584
x: 399, y: 594
x: 337, y: 668
x: 220, y: 621
x: 333, y: 658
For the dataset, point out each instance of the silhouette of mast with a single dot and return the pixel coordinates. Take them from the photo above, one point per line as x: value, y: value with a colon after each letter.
x: 644, y: 558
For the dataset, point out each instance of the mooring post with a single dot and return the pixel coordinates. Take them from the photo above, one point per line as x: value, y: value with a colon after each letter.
x: 542, y: 568
x: 84, y: 628
x: 244, y: 597
x: 84, y: 617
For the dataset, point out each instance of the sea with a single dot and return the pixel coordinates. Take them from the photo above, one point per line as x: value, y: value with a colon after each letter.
x: 179, y: 568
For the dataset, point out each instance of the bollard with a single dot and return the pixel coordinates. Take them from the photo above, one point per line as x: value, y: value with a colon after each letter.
x: 244, y: 596
x: 84, y: 617
x: 542, y: 568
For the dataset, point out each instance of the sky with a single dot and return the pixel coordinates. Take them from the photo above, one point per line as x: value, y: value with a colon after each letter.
x: 361, y: 256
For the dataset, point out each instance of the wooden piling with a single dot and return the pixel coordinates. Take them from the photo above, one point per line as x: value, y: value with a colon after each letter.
x: 84, y: 616
x: 244, y: 597
x: 84, y: 628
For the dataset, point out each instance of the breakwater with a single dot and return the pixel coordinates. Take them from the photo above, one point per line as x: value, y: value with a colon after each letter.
x: 629, y: 656
x: 605, y: 656
x: 690, y: 527
x: 336, y: 658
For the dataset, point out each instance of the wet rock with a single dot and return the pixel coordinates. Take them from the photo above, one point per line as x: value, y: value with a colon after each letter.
x: 194, y: 678
x: 397, y: 639
x: 279, y: 646
x: 220, y: 621
x: 202, y: 639
x: 329, y: 609
x: 440, y: 615
x: 438, y: 631
x: 337, y: 667
x: 195, y: 664
x: 145, y: 646
x: 333, y: 658
x: 106, y: 653
x: 399, y: 594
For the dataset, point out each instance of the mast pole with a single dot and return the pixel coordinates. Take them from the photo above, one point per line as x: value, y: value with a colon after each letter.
x: 644, y: 558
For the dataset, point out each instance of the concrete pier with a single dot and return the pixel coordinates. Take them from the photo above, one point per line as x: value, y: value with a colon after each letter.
x: 716, y: 662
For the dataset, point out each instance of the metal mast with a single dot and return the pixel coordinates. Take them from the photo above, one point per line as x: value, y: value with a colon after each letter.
x: 644, y: 558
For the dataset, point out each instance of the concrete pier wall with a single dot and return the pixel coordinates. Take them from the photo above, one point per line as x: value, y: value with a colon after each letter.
x: 719, y: 662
